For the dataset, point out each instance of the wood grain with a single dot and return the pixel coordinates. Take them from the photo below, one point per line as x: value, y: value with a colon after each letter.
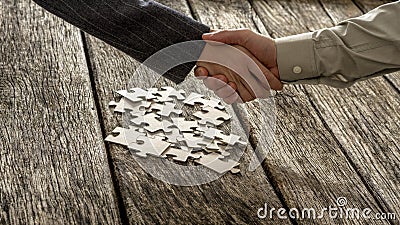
x: 362, y: 118
x: 53, y: 164
x: 230, y: 199
x: 306, y: 164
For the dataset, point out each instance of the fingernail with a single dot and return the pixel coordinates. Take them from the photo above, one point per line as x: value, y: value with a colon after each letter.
x: 200, y: 72
x: 209, y: 34
x: 206, y: 35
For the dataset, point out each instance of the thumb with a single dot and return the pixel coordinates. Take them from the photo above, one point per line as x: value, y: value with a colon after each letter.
x: 231, y: 37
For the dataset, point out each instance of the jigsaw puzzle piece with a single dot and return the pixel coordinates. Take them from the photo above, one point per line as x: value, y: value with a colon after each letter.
x: 193, y: 141
x: 223, y: 166
x: 149, y: 146
x: 136, y: 94
x: 159, y: 133
x: 194, y: 98
x: 184, y: 125
x: 135, y: 107
x: 124, y: 137
x: 212, y: 115
x: 227, y: 139
x: 214, y: 103
x: 151, y: 122
x: 213, y: 161
x: 223, y: 150
x: 210, y: 132
x: 180, y: 155
x: 173, y: 136
x: 207, y: 158
x: 166, y: 93
x: 213, y: 145
x: 165, y: 109
x: 178, y: 94
x: 145, y: 119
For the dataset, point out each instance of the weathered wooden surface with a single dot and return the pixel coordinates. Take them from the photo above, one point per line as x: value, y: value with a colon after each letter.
x: 232, y: 198
x: 329, y: 143
x: 306, y: 164
x: 363, y: 118
x: 53, y: 164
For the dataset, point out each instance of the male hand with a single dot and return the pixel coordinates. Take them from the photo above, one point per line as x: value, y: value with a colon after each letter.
x: 261, y: 48
x: 253, y: 81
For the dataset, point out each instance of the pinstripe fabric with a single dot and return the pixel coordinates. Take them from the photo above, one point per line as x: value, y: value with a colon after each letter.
x: 137, y: 27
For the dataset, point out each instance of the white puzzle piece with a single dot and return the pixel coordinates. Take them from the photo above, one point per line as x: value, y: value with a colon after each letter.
x: 136, y: 94
x: 173, y: 135
x: 124, y: 136
x: 149, y: 146
x: 212, y: 115
x: 126, y: 105
x: 166, y: 94
x: 193, y: 141
x: 227, y: 139
x: 184, y: 125
x: 151, y: 123
x: 165, y: 109
x: 214, y: 162
x: 214, y: 103
x: 194, y: 98
x: 180, y: 155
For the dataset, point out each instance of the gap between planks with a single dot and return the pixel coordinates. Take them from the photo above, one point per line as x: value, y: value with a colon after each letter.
x: 118, y: 195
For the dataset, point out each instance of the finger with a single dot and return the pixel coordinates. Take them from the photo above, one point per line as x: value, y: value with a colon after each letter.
x: 225, y: 91
x: 267, y: 79
x: 215, y: 43
x: 233, y: 85
x: 238, y: 36
x: 214, y: 83
x: 232, y: 99
x: 246, y: 93
x: 221, y: 77
x: 272, y: 81
x: 201, y: 73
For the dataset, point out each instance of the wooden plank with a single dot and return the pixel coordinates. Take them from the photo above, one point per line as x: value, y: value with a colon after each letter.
x: 306, y: 163
x: 365, y: 6
x: 52, y: 159
x: 230, y: 199
x: 358, y: 116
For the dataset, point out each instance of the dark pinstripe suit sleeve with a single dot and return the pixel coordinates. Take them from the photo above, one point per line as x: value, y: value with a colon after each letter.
x: 137, y: 27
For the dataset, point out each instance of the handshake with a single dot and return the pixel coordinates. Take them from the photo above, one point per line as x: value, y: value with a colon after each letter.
x: 242, y: 72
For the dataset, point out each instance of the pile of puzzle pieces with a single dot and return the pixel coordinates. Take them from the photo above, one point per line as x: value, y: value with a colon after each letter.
x: 158, y: 129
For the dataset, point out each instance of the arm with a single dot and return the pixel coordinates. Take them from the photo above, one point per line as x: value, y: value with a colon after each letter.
x: 354, y: 50
x: 137, y: 27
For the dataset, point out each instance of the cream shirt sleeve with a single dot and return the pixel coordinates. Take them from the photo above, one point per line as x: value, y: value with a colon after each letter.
x: 354, y: 50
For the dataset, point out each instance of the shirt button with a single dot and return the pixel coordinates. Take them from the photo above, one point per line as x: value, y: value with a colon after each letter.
x: 297, y: 69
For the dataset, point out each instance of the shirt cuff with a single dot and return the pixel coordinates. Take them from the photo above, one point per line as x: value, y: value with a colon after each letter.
x: 295, y: 57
